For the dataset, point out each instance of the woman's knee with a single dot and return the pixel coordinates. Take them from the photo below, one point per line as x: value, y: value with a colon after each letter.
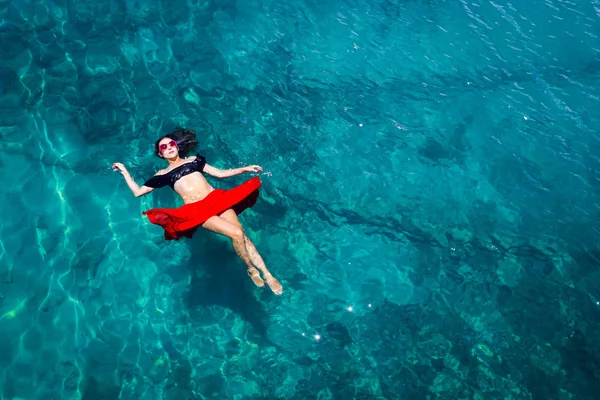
x: 237, y: 233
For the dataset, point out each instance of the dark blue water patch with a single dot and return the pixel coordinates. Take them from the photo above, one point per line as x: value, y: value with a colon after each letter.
x: 225, y: 289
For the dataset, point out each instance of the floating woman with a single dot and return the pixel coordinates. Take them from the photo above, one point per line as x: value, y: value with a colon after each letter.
x: 214, y: 209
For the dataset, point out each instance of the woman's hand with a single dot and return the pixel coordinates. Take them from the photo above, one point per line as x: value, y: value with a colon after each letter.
x: 253, y: 168
x: 135, y: 188
x: 119, y: 167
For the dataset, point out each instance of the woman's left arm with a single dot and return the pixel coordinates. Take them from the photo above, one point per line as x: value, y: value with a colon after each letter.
x: 226, y: 173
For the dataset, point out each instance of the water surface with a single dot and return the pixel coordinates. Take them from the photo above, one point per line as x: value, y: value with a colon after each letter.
x: 429, y: 200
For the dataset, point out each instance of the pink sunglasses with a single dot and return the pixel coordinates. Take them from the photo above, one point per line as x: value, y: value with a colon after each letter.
x: 163, y: 146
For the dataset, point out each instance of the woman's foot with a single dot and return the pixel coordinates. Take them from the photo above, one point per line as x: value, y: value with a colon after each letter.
x: 255, y: 275
x: 273, y: 283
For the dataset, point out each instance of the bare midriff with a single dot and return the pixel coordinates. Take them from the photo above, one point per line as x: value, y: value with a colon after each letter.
x: 193, y: 187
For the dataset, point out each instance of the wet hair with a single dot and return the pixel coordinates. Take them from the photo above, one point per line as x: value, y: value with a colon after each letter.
x: 185, y: 138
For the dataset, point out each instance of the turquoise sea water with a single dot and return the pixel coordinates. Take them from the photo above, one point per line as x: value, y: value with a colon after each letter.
x: 430, y: 199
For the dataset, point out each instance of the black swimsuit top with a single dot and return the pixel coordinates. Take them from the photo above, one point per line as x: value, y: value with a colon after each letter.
x: 158, y: 181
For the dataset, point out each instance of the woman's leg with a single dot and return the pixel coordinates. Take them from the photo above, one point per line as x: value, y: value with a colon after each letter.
x: 255, y: 257
x: 237, y: 236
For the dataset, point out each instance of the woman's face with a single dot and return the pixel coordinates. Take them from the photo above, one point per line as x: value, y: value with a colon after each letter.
x: 168, y: 148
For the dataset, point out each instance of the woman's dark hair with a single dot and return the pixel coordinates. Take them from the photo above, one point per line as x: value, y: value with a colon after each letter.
x: 185, y: 138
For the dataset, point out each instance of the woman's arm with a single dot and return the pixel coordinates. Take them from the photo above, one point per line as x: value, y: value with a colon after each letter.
x: 226, y: 173
x: 135, y: 188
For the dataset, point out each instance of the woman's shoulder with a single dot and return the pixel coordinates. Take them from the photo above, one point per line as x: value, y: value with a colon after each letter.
x: 197, y: 158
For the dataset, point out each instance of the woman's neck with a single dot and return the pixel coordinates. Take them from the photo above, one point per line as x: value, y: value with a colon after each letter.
x: 174, y: 161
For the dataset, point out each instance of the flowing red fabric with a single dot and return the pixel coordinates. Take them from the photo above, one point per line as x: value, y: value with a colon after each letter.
x: 184, y: 220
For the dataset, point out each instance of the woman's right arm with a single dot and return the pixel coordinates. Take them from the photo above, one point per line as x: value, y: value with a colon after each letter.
x: 135, y: 188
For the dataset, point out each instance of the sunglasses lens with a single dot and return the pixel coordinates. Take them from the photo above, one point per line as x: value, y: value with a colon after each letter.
x: 172, y: 143
x: 163, y: 147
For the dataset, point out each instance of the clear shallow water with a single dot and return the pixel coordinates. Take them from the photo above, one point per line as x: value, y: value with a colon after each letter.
x: 432, y: 165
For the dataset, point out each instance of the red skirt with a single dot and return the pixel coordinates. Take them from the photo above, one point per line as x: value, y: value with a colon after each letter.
x: 184, y: 220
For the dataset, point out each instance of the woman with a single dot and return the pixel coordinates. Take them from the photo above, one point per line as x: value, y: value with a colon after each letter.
x: 213, y: 209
